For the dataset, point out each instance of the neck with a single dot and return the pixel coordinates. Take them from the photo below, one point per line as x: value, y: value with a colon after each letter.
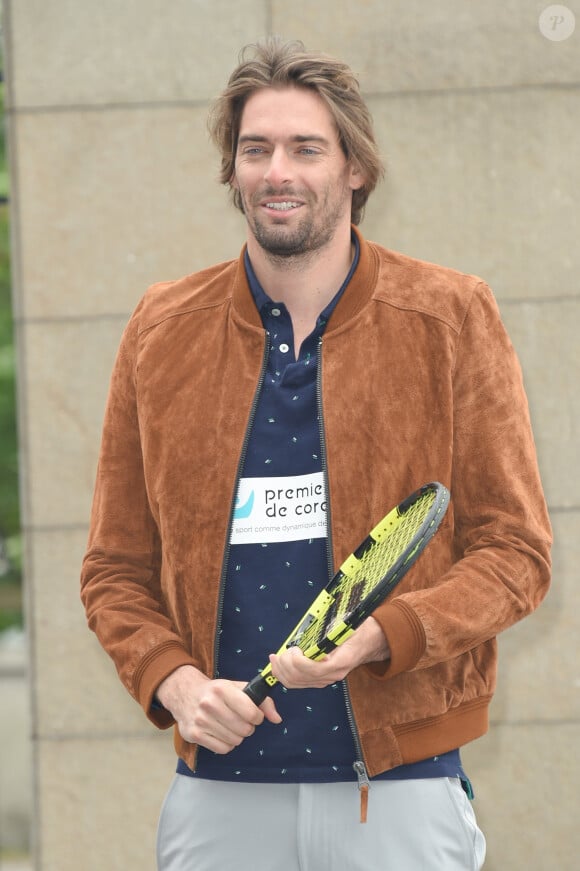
x: 305, y: 283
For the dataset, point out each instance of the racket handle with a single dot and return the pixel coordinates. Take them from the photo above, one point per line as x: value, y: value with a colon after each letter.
x: 258, y: 689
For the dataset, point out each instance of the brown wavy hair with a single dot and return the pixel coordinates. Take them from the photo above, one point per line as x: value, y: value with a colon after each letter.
x: 273, y: 63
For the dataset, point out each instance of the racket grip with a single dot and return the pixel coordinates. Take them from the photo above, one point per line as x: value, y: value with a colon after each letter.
x: 258, y: 689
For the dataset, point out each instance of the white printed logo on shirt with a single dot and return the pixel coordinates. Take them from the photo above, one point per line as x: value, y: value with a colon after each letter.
x: 279, y: 509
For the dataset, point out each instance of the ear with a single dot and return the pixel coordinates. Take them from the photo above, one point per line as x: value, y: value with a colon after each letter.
x: 356, y: 177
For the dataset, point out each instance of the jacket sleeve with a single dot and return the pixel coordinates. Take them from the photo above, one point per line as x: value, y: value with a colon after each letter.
x: 500, y: 525
x: 121, y: 572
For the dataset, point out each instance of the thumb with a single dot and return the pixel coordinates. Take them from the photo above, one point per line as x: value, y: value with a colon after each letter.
x: 269, y: 710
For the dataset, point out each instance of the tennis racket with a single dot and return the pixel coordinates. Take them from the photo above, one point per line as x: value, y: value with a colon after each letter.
x: 364, y: 580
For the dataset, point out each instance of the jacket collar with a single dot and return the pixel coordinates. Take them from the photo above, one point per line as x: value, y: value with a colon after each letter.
x: 357, y: 294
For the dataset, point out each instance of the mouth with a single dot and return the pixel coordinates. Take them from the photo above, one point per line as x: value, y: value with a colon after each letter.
x: 281, y: 205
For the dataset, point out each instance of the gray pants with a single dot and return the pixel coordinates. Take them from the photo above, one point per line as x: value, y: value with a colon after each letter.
x: 413, y: 825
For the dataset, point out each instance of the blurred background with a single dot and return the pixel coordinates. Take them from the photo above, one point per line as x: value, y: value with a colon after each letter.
x: 15, y: 744
x: 107, y: 184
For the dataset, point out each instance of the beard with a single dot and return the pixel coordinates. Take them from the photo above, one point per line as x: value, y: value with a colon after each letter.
x: 308, y: 234
x: 282, y: 241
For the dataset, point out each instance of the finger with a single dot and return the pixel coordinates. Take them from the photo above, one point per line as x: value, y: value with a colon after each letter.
x: 214, y: 733
x: 222, y: 718
x: 210, y: 742
x: 293, y: 670
x: 227, y: 707
x: 296, y: 671
x: 270, y: 711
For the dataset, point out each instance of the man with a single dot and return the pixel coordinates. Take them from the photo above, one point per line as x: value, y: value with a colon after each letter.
x: 263, y: 415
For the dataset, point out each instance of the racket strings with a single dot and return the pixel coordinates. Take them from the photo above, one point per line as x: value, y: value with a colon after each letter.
x: 370, y: 569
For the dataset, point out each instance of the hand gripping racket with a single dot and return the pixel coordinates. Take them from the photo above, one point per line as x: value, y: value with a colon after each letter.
x: 364, y: 579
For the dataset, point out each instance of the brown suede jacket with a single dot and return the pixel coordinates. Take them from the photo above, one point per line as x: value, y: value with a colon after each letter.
x: 419, y: 382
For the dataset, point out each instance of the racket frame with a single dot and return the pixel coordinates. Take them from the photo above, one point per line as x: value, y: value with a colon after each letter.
x: 261, y: 685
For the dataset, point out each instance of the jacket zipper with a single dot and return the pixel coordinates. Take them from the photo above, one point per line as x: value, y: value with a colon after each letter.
x: 222, y: 583
x: 358, y: 765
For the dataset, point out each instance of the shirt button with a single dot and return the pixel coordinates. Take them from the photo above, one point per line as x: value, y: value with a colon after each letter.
x: 276, y: 312
x: 284, y: 348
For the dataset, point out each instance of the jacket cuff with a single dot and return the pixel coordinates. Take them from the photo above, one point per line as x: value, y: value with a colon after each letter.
x: 406, y: 638
x: 154, y: 668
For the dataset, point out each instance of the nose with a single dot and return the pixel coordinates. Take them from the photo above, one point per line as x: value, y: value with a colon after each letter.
x: 279, y: 170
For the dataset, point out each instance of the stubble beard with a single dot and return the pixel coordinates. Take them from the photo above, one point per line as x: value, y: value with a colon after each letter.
x: 284, y: 245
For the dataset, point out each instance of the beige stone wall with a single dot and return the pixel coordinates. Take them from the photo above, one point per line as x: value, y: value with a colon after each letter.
x: 113, y: 188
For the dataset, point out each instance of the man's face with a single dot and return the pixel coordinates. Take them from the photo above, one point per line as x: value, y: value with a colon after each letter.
x: 294, y: 180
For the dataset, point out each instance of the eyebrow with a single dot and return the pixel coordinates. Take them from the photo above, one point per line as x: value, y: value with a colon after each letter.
x: 249, y: 137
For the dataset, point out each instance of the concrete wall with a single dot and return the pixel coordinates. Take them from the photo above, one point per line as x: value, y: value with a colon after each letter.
x: 15, y: 767
x: 113, y: 188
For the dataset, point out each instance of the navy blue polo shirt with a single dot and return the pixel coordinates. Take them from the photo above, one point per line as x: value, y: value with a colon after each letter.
x: 277, y: 562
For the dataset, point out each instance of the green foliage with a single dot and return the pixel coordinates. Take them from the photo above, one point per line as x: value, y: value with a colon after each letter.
x: 10, y: 539
x: 9, y: 510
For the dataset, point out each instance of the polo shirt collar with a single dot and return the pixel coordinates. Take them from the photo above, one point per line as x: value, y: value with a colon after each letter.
x: 264, y: 303
x: 355, y: 296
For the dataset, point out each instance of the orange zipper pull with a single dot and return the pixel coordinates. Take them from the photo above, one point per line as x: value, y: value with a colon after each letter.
x: 364, y: 786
